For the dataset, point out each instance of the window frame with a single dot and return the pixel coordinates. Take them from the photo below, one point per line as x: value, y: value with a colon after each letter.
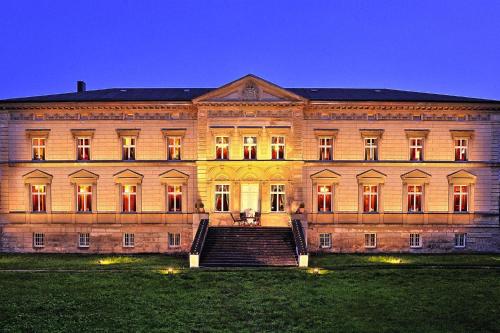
x: 84, y: 240
x: 249, y: 146
x: 325, y: 236
x: 175, y: 146
x: 325, y: 194
x: 39, y: 195
x: 370, y: 195
x: 128, y: 240
x: 174, y: 240
x: 84, y: 195
x: 415, y: 241
x: 276, y: 146
x: 129, y: 195
x: 38, y: 147
x: 175, y: 195
x: 414, y: 193
x: 417, y: 147
x: 224, y: 146
x: 83, y: 146
x: 371, y: 147
x: 460, y: 146
x: 325, y: 147
x: 38, y: 240
x: 370, y: 240
x: 460, y: 196
x: 127, y: 148
x: 278, y: 193
x: 461, y: 237
x: 222, y: 192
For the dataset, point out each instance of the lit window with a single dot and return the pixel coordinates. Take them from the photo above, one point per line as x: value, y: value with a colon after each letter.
x: 38, y: 198
x: 371, y: 149
x: 222, y: 147
x: 83, y: 149
x: 460, y: 198
x: 38, y: 145
x: 128, y: 240
x: 325, y: 198
x: 370, y: 198
x: 461, y: 149
x: 278, y: 147
x: 38, y: 240
x: 460, y: 240
x: 277, y: 198
x: 325, y: 241
x: 174, y: 240
x: 370, y: 240
x: 414, y: 198
x: 84, y: 240
x: 174, y: 148
x: 129, y: 198
x: 222, y: 198
x: 250, y: 148
x: 84, y: 198
x: 415, y: 241
x: 174, y: 198
x: 326, y: 149
x: 416, y: 149
x: 128, y: 151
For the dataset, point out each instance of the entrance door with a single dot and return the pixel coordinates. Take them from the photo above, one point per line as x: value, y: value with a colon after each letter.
x: 250, y: 197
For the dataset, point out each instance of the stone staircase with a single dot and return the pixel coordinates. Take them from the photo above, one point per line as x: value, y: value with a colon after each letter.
x: 248, y: 247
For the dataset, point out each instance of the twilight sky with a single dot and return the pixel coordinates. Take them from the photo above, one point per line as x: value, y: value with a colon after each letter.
x: 441, y: 46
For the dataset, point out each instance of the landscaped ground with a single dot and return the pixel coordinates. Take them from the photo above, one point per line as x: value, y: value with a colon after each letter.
x: 356, y: 293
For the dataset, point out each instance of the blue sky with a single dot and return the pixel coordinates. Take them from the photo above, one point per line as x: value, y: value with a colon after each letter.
x: 450, y: 47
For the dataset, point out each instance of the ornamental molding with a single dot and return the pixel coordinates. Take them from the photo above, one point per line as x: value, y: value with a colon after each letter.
x: 250, y: 113
x: 399, y: 116
x: 90, y: 116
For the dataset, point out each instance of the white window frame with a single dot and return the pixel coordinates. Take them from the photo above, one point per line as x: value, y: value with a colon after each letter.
x: 415, y: 145
x: 83, y: 146
x: 279, y: 190
x: 464, y: 148
x: 249, y: 146
x: 128, y: 195
x: 84, y: 240
x: 371, y: 194
x: 38, y: 239
x: 128, y: 239
x: 461, y: 194
x: 371, y: 143
x: 324, y: 193
x: 177, y: 190
x: 174, y: 240
x: 127, y: 148
x: 84, y: 195
x: 325, y: 240
x: 460, y: 240
x: 325, y: 147
x: 415, y: 240
x: 225, y: 190
x: 415, y: 193
x: 37, y: 148
x: 370, y: 240
x: 276, y: 146
x: 222, y: 145
x: 39, y: 195
x: 176, y: 145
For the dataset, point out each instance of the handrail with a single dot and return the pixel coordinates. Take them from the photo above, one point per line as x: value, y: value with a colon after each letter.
x: 298, y: 235
x: 199, y: 239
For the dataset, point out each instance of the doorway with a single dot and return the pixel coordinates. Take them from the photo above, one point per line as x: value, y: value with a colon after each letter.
x: 249, y: 197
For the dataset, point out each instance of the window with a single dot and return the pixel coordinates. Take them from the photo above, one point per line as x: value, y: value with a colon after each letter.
x: 222, y: 147
x: 371, y: 149
x: 83, y: 149
x: 174, y: 148
x: 38, y: 198
x: 461, y: 149
x: 370, y: 198
x: 278, y: 147
x: 221, y: 198
x: 250, y: 148
x: 128, y: 240
x: 84, y: 240
x: 326, y: 149
x: 128, y: 145
x: 325, y: 241
x: 370, y: 240
x: 415, y: 241
x: 277, y: 198
x: 129, y: 198
x: 84, y: 198
x: 325, y: 198
x: 38, y: 239
x: 38, y: 145
x: 174, y: 198
x: 416, y: 149
x: 174, y: 240
x: 460, y: 198
x: 460, y: 240
x: 414, y: 198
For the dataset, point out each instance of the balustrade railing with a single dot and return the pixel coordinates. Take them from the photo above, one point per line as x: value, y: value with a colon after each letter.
x: 298, y: 235
x: 199, y: 238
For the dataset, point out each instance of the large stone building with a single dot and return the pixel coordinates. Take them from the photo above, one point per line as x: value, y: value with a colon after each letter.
x: 134, y: 170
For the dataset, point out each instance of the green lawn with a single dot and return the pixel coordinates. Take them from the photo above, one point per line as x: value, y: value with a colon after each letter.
x: 119, y: 293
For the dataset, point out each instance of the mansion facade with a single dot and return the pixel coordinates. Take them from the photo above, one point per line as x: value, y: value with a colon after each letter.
x: 136, y: 170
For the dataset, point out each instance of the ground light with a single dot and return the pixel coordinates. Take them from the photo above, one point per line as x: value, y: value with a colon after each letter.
x: 317, y: 271
x: 169, y: 271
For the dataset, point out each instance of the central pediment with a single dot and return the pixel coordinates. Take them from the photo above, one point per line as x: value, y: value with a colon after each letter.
x: 249, y: 88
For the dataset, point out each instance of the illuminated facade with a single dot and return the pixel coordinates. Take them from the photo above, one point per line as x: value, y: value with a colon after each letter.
x: 134, y: 170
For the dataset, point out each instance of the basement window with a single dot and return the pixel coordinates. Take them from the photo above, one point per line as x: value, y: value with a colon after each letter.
x: 325, y: 241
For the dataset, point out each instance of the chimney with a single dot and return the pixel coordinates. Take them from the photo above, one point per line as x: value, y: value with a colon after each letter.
x: 81, y: 86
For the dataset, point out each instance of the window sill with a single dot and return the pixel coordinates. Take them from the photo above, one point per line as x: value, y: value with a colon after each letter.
x: 38, y: 213
x: 370, y: 213
x: 84, y: 213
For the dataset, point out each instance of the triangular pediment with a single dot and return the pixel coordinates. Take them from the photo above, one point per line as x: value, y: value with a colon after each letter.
x: 416, y: 176
x: 37, y: 177
x: 83, y: 176
x: 128, y: 176
x: 173, y: 176
x: 371, y: 177
x: 461, y: 177
x: 325, y: 175
x: 249, y: 88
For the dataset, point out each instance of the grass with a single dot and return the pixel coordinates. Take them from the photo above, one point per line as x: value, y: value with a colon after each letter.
x: 141, y: 294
